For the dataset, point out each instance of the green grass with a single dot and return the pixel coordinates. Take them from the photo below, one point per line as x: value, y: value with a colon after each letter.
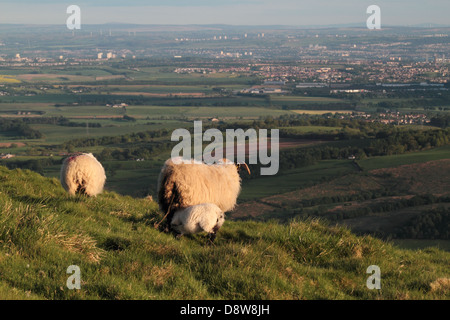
x: 152, y: 74
x: 307, y: 129
x: 422, y: 244
x: 295, y: 179
x: 111, y: 238
x: 167, y: 88
x: 59, y: 134
x: 302, y: 100
x: 139, y: 111
x: 406, y: 158
x: 253, y: 112
x: 316, y: 112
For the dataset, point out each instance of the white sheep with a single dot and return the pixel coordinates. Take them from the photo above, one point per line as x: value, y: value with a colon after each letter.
x: 205, y: 217
x: 83, y: 174
x: 189, y: 183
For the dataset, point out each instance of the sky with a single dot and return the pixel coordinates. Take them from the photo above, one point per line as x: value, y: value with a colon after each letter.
x: 232, y: 12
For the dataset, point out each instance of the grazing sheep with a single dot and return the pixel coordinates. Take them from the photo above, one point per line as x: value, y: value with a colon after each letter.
x: 83, y: 174
x: 202, y: 217
x: 182, y: 185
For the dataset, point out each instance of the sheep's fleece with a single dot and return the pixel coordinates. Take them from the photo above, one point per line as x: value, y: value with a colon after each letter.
x: 189, y: 184
x: 83, y: 174
x: 203, y: 217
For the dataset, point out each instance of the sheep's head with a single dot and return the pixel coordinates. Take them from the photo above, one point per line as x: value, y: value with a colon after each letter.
x: 238, y: 165
x: 244, y: 165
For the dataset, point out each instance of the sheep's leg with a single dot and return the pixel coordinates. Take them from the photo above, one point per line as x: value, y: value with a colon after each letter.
x: 177, y: 235
x: 81, y: 188
x: 212, y: 236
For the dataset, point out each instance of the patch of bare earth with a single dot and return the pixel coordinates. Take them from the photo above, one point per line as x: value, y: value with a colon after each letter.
x: 8, y: 144
x: 420, y: 178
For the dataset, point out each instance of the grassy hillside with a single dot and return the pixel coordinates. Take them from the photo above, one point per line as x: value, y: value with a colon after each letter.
x: 121, y: 256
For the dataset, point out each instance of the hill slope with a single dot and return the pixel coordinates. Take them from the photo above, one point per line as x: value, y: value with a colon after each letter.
x: 111, y: 238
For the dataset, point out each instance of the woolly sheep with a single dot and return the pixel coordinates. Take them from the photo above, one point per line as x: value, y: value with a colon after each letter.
x: 199, y: 218
x: 182, y: 185
x: 83, y: 174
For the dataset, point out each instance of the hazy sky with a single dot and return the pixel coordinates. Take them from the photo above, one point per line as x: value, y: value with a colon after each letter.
x: 234, y: 12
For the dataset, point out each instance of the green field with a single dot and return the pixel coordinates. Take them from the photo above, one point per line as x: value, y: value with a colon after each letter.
x: 414, y: 244
x: 291, y: 180
x: 319, y: 112
x: 407, y: 158
x: 142, y: 111
x: 303, y: 99
x: 307, y: 129
x: 325, y: 170
x: 58, y: 134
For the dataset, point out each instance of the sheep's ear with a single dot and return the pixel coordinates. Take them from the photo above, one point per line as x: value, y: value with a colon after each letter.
x: 226, y: 161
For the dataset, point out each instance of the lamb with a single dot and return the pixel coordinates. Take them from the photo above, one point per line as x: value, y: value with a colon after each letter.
x: 83, y: 174
x: 199, y: 218
x: 189, y: 183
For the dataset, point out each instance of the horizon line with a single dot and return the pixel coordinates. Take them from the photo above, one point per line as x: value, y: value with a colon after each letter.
x: 351, y: 25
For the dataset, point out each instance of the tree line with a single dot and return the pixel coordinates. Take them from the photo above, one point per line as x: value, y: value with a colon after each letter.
x: 433, y: 224
x: 441, y: 121
x: 136, y: 137
x: 60, y: 121
x: 20, y: 128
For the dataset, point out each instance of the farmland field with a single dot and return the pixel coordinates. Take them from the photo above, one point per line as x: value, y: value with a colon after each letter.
x: 407, y: 158
x: 321, y: 111
x: 304, y: 99
x: 294, y: 179
x: 9, y: 79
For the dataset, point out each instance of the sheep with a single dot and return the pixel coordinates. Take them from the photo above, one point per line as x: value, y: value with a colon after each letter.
x: 199, y: 218
x: 182, y: 184
x: 82, y: 174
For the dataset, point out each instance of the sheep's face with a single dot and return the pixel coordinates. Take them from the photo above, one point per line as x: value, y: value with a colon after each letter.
x: 219, y: 222
x: 71, y: 158
x: 242, y: 165
x: 238, y: 165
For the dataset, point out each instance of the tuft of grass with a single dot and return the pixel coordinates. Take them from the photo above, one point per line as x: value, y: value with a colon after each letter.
x: 79, y: 243
x: 441, y: 285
